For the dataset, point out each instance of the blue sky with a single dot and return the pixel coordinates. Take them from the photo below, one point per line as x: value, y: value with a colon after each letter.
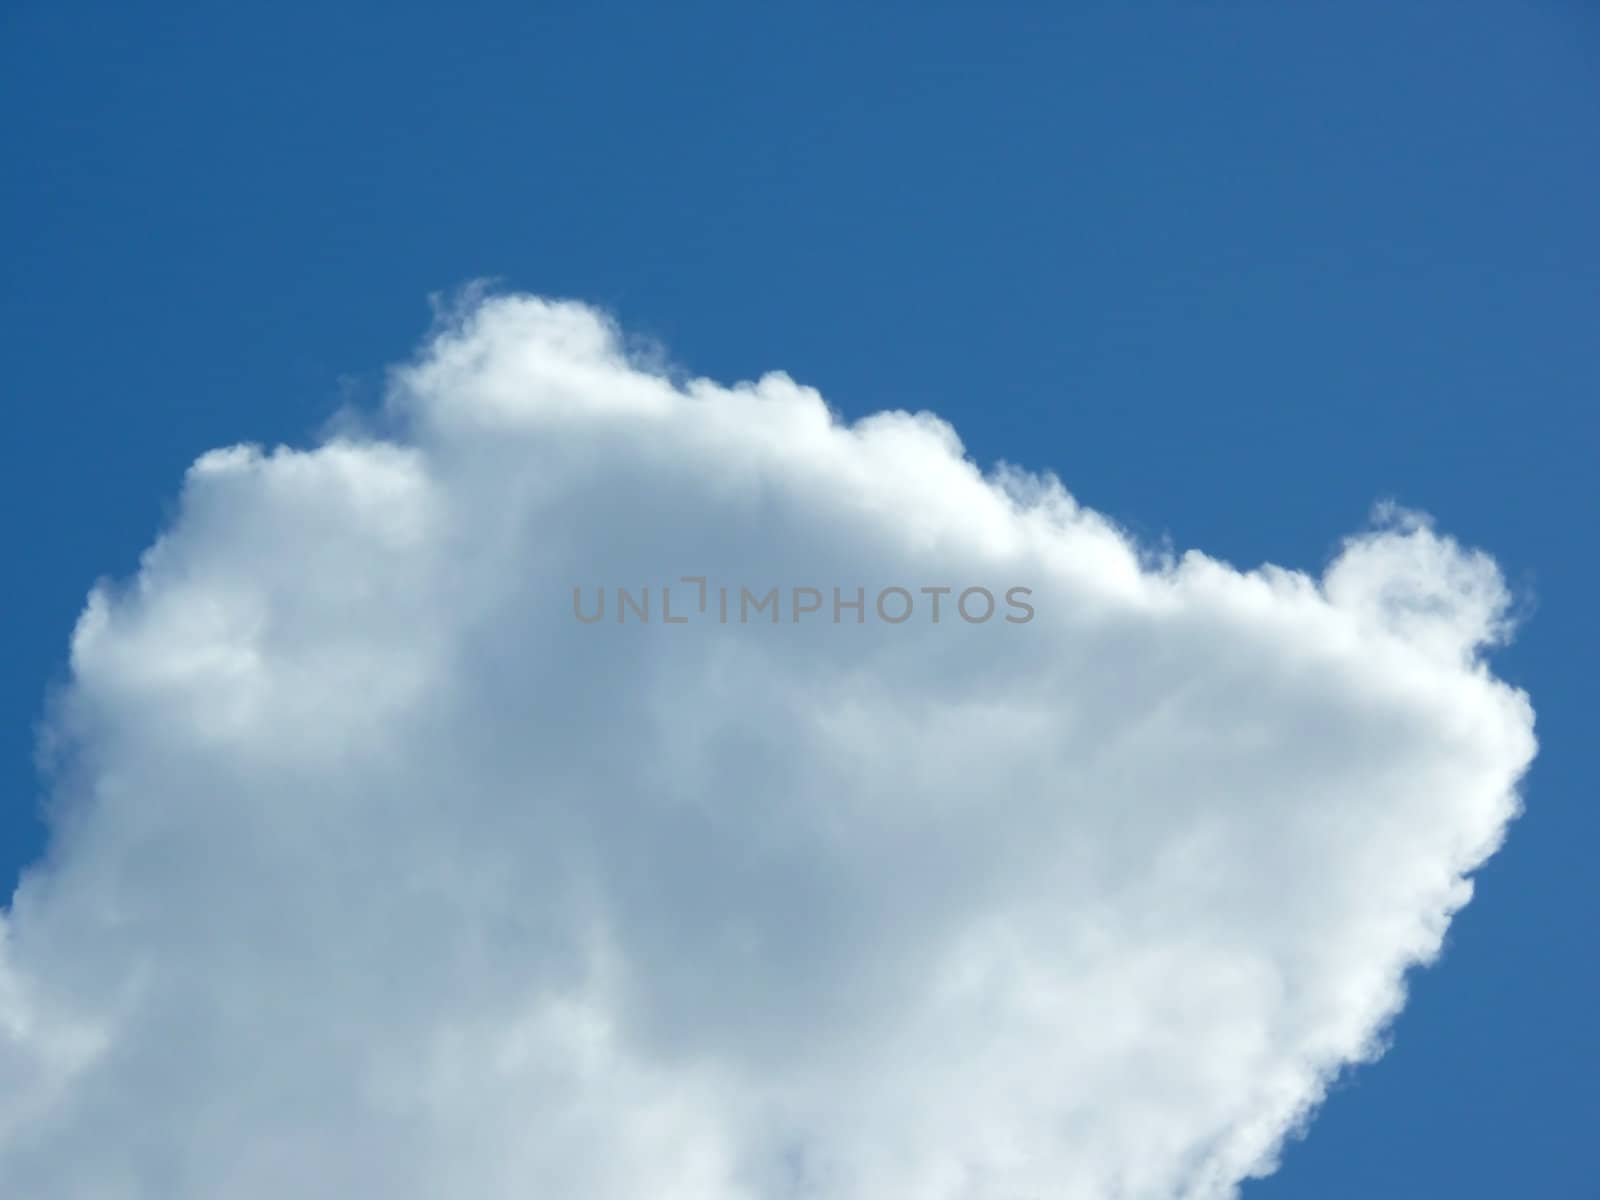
x: 1234, y: 272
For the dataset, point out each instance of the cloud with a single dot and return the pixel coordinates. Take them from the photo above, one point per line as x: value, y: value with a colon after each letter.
x: 374, y: 871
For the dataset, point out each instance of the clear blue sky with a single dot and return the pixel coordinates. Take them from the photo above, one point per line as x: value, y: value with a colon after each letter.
x: 1234, y: 271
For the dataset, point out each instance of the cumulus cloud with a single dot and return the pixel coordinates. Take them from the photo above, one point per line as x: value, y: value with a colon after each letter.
x: 374, y: 871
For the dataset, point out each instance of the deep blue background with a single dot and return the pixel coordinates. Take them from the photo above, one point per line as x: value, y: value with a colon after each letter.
x: 1235, y: 271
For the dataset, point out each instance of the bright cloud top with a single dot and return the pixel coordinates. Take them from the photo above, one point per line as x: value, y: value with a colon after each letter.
x: 375, y: 872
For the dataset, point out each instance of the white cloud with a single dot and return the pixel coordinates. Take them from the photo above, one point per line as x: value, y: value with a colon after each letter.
x: 377, y: 873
